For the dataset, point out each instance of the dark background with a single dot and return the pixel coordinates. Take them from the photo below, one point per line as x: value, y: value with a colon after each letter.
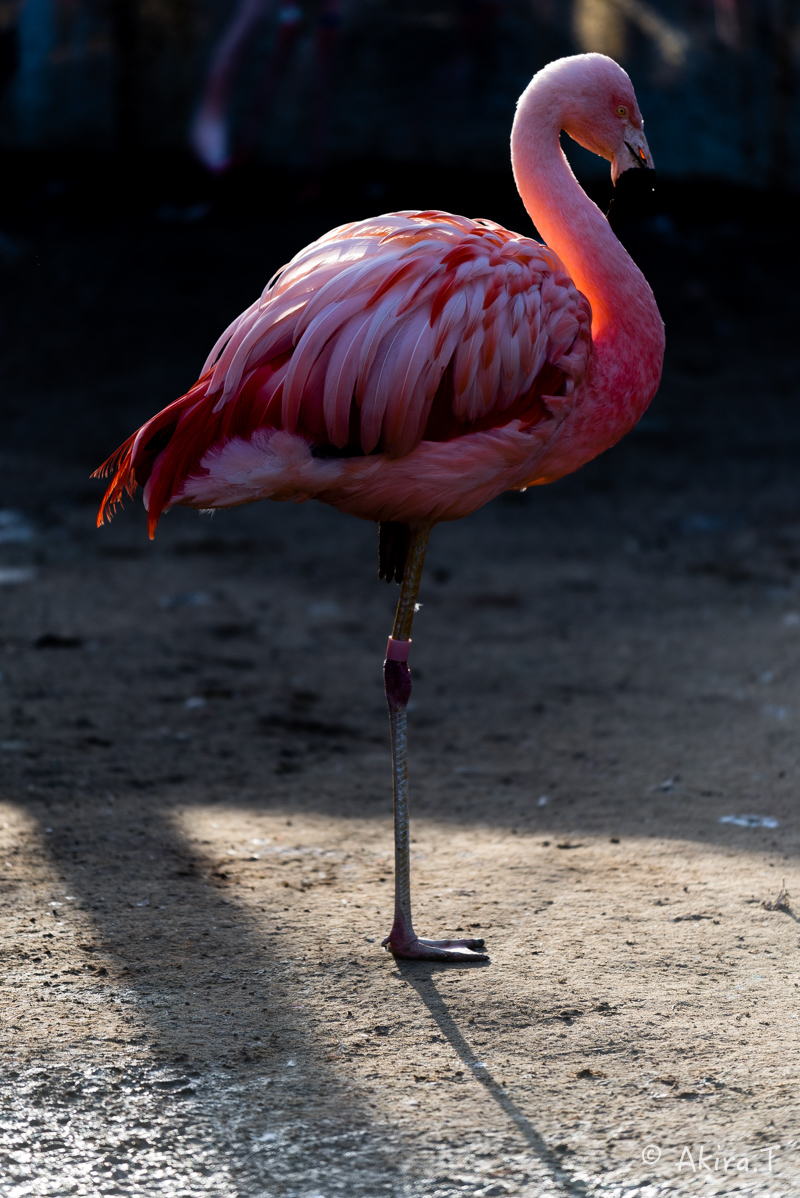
x: 411, y: 80
x: 122, y: 258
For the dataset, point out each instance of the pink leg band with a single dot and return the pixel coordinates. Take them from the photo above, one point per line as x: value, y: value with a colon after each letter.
x: 397, y: 650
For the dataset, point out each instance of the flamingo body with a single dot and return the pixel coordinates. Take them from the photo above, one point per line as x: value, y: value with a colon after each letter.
x: 409, y: 367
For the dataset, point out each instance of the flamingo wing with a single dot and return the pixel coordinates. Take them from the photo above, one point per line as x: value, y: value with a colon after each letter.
x: 383, y: 333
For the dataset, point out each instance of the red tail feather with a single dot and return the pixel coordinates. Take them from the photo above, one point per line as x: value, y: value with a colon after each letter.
x: 123, y: 480
x: 178, y: 437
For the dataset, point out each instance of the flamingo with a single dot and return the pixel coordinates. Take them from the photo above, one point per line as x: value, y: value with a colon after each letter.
x: 410, y: 367
x: 210, y: 130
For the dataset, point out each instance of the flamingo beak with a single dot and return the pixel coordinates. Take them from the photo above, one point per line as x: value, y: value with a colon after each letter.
x: 635, y: 154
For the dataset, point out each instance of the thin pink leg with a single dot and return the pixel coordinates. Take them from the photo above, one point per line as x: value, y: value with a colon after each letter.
x: 210, y: 133
x: 288, y: 32
x: 403, y: 941
x: 326, y: 44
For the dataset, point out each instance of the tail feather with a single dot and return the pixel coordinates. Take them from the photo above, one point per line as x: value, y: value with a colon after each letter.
x: 170, y: 446
x: 123, y: 479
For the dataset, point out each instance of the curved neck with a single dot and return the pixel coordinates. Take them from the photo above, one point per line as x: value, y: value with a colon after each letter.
x: 623, y: 305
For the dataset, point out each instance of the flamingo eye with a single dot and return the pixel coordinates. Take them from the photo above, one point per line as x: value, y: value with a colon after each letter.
x: 622, y: 111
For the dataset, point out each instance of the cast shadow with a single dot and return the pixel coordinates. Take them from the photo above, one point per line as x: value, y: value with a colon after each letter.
x: 417, y: 973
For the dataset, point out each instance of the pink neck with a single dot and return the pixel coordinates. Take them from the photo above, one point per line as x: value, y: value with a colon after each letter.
x: 627, y: 330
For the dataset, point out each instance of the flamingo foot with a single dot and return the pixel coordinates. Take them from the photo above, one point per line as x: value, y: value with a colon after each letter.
x: 420, y: 948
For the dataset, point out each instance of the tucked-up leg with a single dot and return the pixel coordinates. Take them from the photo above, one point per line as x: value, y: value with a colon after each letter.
x: 402, y: 941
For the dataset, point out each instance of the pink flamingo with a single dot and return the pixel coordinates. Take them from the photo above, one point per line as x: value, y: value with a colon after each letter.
x: 210, y: 130
x: 411, y: 367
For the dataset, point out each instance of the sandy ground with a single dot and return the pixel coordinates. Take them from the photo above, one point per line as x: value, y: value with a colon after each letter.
x: 196, y: 858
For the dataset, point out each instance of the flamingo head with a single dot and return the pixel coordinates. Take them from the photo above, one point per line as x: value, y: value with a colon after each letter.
x: 592, y: 99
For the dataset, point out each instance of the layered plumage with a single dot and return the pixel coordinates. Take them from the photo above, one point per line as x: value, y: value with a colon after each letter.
x: 407, y: 367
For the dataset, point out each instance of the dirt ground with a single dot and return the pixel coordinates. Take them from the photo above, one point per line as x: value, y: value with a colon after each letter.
x: 195, y: 853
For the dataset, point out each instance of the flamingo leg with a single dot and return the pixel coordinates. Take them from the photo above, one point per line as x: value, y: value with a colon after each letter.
x: 403, y: 941
x: 210, y: 131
